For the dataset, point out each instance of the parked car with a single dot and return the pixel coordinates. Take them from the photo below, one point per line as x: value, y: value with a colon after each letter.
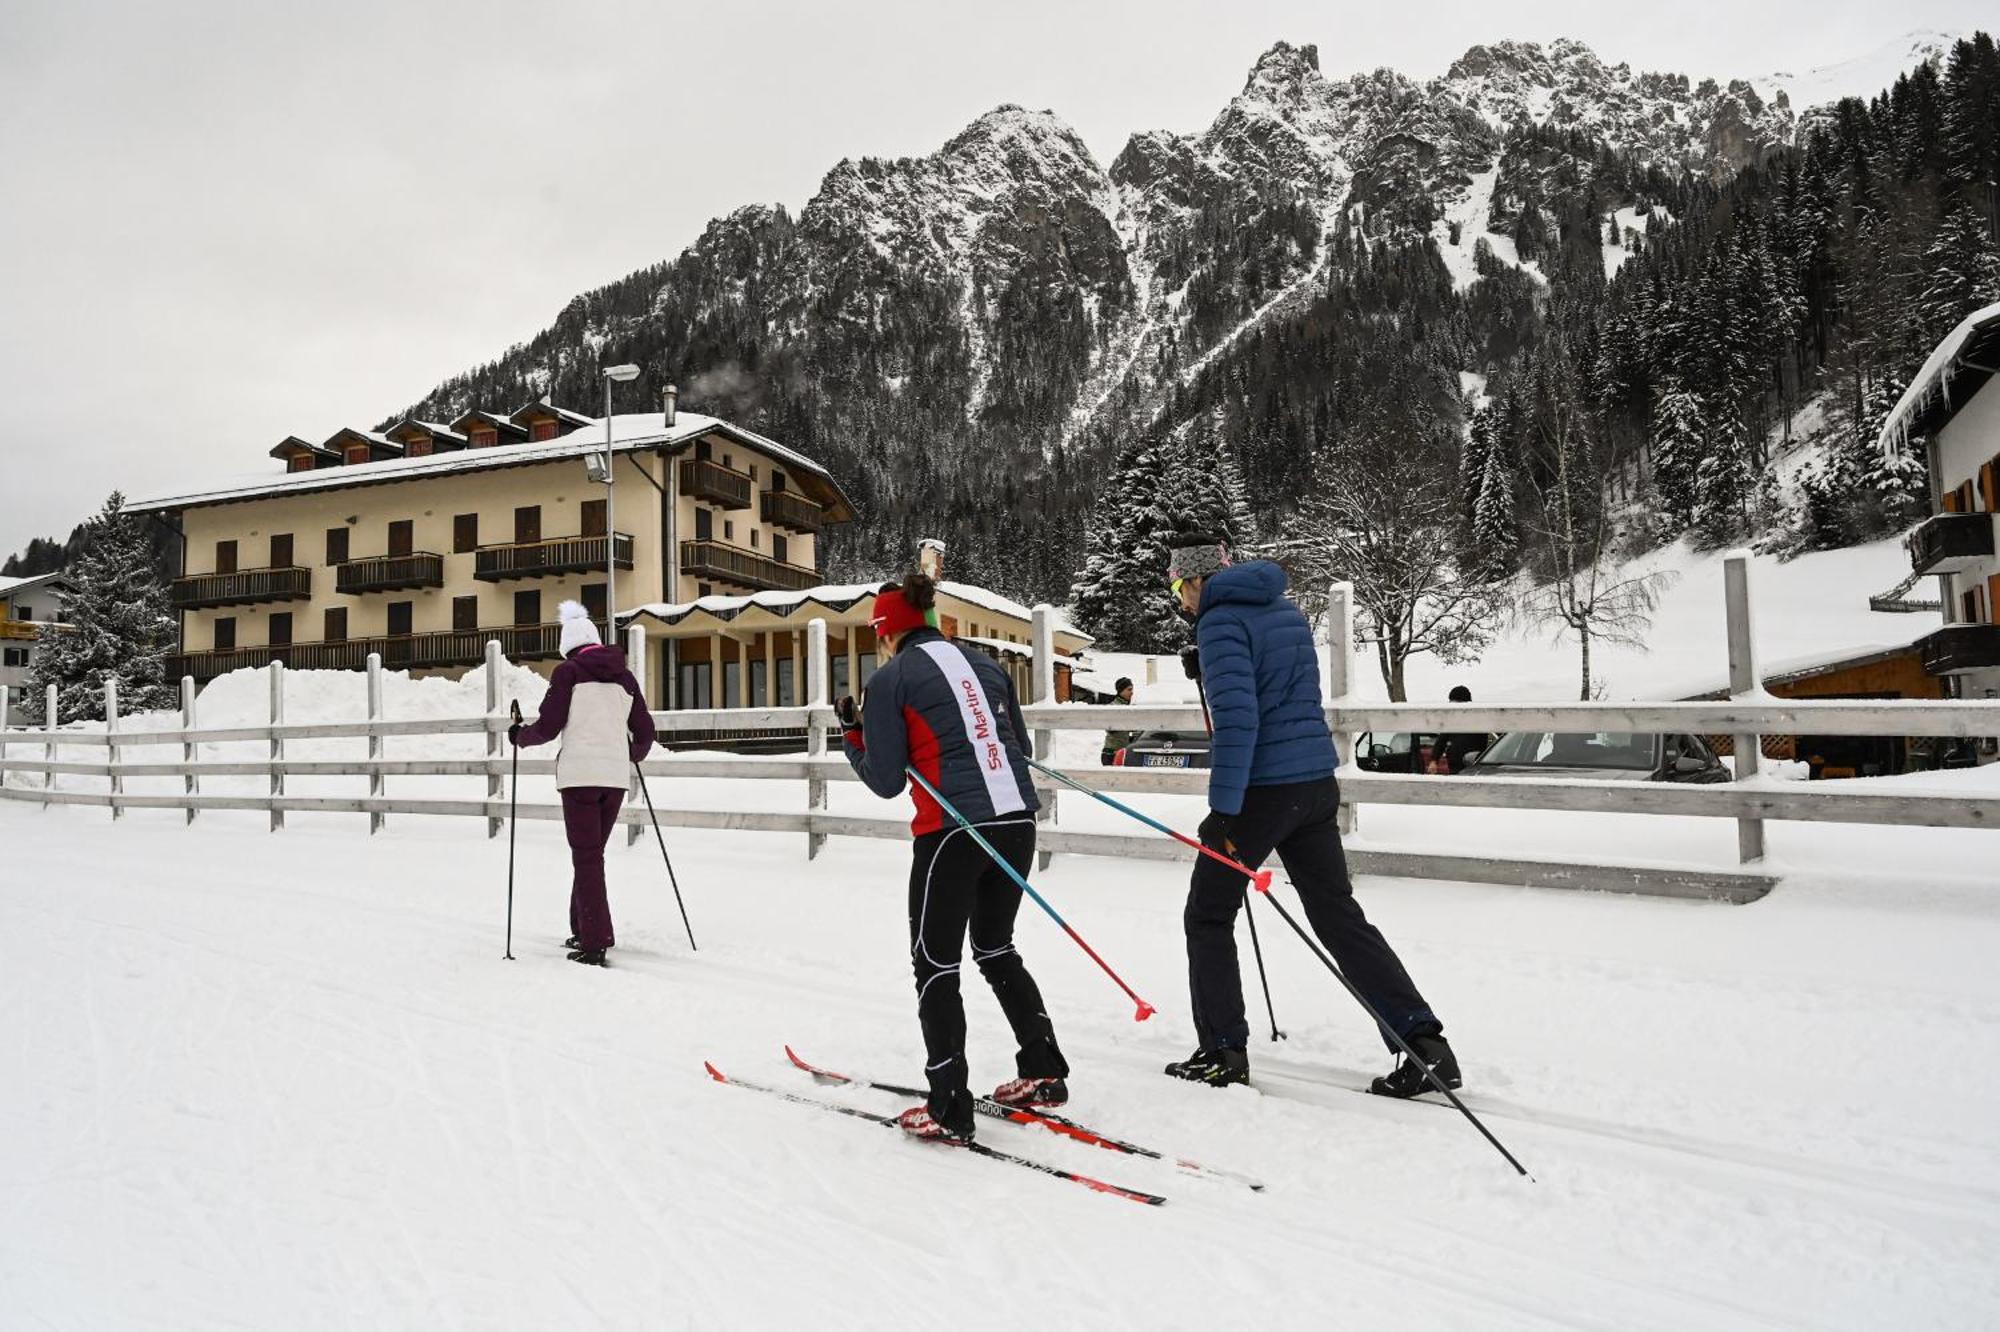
x: 1164, y: 749
x: 1619, y: 756
x: 1396, y: 751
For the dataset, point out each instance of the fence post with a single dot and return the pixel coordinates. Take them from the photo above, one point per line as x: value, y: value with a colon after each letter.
x: 51, y: 704
x: 6, y: 709
x: 277, y: 673
x: 1340, y: 678
x: 1042, y: 689
x: 378, y: 785
x: 495, y: 784
x: 816, y: 700
x: 1745, y: 682
x: 191, y: 783
x: 635, y: 661
x: 111, y: 744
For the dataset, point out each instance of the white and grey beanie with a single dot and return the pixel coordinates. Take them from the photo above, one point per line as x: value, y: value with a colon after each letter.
x: 577, y: 629
x: 1195, y: 557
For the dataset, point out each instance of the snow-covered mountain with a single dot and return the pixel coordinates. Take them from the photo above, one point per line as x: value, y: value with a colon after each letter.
x: 983, y: 321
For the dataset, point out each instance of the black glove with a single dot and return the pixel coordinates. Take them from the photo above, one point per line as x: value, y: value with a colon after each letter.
x: 845, y: 709
x: 1219, y: 831
x: 514, y: 735
x: 1191, y: 662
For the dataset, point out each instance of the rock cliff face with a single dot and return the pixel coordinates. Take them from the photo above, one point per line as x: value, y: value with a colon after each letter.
x: 974, y: 329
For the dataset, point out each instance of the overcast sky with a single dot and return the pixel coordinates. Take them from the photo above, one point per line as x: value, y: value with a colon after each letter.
x: 228, y: 222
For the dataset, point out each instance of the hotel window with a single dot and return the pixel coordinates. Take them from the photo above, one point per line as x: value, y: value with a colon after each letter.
x: 704, y: 589
x: 281, y: 550
x: 484, y: 439
x: 464, y: 533
x: 334, y: 626
x: 15, y: 657
x: 593, y: 518
x: 593, y: 601
x: 696, y: 689
x: 753, y: 538
x: 753, y: 471
x: 402, y: 537
x: 704, y: 525
x: 702, y: 452
x: 299, y: 462
x: 358, y: 453
x: 401, y: 614
x: 777, y: 480
x: 780, y: 549
x: 336, y: 545
x: 281, y: 629
x: 728, y: 530
x: 465, y: 614
x: 224, y: 630
x: 527, y: 524
x: 527, y: 608
x: 225, y: 557
x: 542, y: 430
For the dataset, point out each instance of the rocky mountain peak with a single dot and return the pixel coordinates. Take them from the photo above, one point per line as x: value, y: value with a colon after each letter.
x: 1284, y: 66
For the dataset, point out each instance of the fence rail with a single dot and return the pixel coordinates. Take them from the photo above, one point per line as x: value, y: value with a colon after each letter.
x: 109, y: 756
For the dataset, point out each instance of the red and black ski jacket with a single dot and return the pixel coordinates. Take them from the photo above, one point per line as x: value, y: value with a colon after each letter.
x: 952, y: 714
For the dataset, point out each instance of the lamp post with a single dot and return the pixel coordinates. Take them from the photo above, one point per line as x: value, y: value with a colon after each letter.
x: 622, y: 374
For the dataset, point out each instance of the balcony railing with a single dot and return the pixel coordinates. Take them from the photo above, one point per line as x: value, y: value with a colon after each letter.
x: 23, y: 629
x: 389, y: 573
x: 745, y: 568
x: 1961, y: 647
x: 711, y: 481
x: 538, y: 559
x: 782, y: 508
x: 445, y: 647
x: 1951, y: 542
x: 244, y: 588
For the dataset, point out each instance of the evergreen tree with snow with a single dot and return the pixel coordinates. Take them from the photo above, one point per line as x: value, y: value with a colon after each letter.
x: 1962, y: 268
x: 121, y: 625
x: 1680, y: 441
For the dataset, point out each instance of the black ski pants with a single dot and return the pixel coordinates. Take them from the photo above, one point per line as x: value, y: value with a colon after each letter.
x: 956, y: 889
x: 1298, y: 820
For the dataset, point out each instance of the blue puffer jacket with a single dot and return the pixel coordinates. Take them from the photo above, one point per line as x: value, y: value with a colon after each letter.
x: 1261, y: 670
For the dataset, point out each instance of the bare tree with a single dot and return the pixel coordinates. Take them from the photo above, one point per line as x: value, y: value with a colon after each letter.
x: 1582, y: 596
x: 1383, y: 518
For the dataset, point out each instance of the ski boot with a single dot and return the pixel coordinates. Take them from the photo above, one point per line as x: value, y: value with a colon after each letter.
x: 917, y: 1122
x: 590, y: 957
x: 1216, y: 1068
x: 1407, y: 1078
x: 1032, y: 1093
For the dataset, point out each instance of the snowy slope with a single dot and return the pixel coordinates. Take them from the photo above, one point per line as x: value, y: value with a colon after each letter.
x: 287, y: 1081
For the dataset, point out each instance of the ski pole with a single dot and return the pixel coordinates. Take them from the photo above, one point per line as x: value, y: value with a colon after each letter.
x: 1193, y: 669
x: 1145, y: 1009
x: 664, y: 856
x: 1261, y: 879
x: 513, y: 823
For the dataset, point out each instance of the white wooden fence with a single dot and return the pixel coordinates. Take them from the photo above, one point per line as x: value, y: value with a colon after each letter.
x: 111, y: 757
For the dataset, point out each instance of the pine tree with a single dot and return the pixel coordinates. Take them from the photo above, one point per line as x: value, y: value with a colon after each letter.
x: 1963, y: 270
x: 1496, y: 533
x: 1680, y: 441
x: 121, y: 627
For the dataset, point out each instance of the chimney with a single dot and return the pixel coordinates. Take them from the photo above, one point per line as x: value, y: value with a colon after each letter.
x: 672, y: 396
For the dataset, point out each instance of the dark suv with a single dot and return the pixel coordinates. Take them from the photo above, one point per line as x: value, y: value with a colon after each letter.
x: 1164, y: 749
x: 1619, y: 756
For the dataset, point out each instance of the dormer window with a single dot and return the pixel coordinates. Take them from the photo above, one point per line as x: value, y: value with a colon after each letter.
x: 485, y: 439
x: 542, y: 430
x: 418, y: 448
x: 300, y: 462
x: 356, y: 454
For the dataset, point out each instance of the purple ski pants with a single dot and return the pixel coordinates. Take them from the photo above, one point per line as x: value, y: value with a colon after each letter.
x: 589, y: 815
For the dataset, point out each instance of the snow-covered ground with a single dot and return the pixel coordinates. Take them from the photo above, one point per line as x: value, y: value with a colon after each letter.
x: 286, y: 1080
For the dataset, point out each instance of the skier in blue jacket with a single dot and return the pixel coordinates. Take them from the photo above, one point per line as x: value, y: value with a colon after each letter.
x: 950, y: 714
x: 1271, y: 788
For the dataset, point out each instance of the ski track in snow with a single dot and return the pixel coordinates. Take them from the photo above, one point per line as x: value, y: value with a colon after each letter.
x: 263, y: 1080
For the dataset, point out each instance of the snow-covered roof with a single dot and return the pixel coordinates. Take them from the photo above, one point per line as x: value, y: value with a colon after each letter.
x: 840, y: 597
x: 1002, y: 646
x: 11, y: 586
x: 630, y: 434
x: 1796, y: 668
x: 1930, y: 392
x: 993, y: 601
x: 542, y: 406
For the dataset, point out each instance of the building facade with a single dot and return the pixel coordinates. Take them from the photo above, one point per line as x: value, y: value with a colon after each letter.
x: 422, y: 542
x: 29, y: 609
x: 1954, y: 405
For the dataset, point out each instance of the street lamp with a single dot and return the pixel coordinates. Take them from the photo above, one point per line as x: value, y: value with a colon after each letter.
x: 622, y: 374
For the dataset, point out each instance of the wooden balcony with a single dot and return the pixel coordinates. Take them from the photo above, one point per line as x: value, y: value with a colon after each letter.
x: 25, y: 630
x: 719, y: 485
x: 1961, y: 647
x: 248, y: 587
x: 745, y: 568
x: 389, y: 573
x: 1950, y: 542
x: 783, y: 508
x: 543, y: 559
x: 446, y: 647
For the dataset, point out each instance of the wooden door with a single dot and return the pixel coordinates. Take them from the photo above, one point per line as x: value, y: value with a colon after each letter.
x: 225, y: 557
x: 225, y: 633
x: 281, y: 629
x: 593, y: 518
x: 281, y: 550
x: 464, y: 533
x: 527, y: 608
x: 335, y: 628
x: 464, y: 614
x: 527, y: 524
x: 336, y: 545
x: 593, y: 603
x: 399, y: 618
x: 402, y: 537
x: 704, y: 525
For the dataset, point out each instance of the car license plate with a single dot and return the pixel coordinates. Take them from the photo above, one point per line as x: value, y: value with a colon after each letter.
x: 1166, y: 760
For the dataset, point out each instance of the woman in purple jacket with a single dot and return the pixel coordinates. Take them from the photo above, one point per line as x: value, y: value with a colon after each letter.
x: 597, y: 708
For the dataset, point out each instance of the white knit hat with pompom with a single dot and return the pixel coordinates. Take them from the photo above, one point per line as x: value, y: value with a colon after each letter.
x: 577, y: 628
